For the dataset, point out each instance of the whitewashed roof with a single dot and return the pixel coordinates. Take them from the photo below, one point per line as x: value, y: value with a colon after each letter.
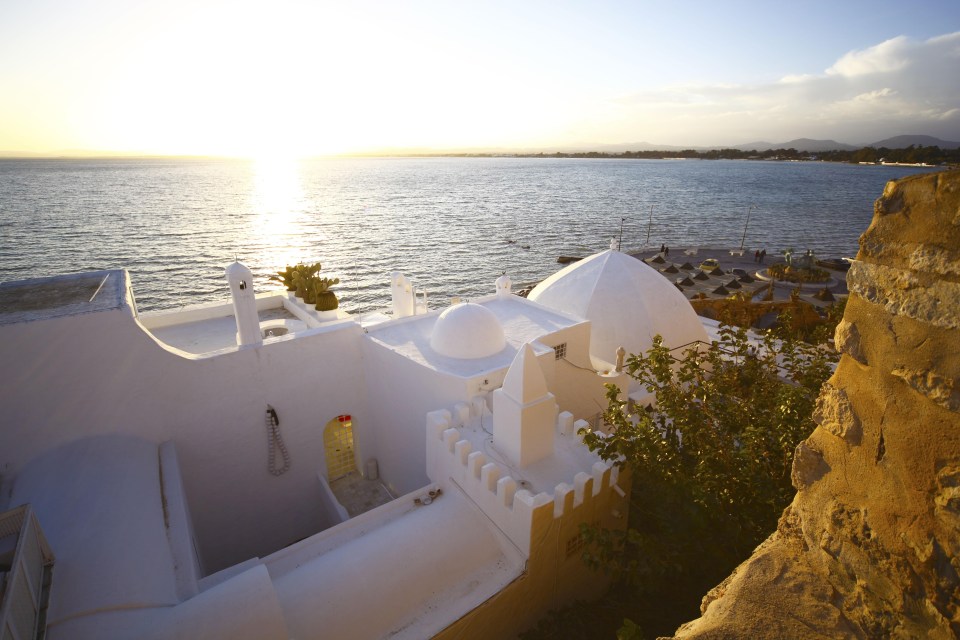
x: 467, y: 330
x: 522, y: 322
x: 626, y: 301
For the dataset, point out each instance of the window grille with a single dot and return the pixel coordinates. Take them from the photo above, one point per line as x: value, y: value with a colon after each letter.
x: 560, y: 351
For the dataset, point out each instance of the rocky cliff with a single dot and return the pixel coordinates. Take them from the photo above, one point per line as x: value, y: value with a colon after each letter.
x: 870, y: 546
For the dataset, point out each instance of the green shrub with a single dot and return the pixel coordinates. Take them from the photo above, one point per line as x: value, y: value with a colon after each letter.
x: 710, y: 466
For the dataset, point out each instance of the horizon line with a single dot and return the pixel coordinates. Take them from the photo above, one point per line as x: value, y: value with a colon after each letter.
x: 386, y: 152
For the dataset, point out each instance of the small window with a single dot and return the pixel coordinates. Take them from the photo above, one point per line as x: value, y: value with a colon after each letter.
x: 560, y: 351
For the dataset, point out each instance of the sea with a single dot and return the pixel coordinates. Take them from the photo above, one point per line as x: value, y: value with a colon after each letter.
x: 451, y: 225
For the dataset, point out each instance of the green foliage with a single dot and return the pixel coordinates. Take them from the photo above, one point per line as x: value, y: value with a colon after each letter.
x: 326, y: 300
x: 630, y: 630
x: 303, y: 276
x: 585, y: 621
x: 932, y: 155
x: 286, y: 278
x: 303, y: 279
x: 791, y: 326
x: 789, y: 273
x: 711, y: 463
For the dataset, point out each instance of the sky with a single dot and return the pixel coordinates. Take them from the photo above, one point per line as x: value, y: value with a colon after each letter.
x: 283, y: 78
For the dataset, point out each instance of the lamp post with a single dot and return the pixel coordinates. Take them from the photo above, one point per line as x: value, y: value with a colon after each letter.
x: 620, y: 241
x: 744, y: 238
x: 649, y: 224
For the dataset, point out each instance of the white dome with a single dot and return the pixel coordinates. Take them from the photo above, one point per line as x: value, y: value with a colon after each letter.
x: 467, y: 331
x: 626, y: 301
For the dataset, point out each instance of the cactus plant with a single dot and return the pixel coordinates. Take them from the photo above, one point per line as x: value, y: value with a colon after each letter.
x: 326, y: 300
x: 285, y: 277
x: 303, y: 275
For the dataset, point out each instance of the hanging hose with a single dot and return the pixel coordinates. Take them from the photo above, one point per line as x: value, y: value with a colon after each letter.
x: 274, y: 442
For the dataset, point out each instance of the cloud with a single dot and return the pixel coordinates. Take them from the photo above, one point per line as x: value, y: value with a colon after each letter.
x: 886, y: 57
x: 879, y: 94
x: 898, y: 86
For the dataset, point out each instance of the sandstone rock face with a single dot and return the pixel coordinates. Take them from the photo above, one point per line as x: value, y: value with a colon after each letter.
x: 870, y: 546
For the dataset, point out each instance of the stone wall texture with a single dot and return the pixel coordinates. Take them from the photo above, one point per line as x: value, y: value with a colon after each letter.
x: 870, y: 546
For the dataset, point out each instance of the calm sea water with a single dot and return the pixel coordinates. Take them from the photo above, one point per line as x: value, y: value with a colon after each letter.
x: 444, y: 222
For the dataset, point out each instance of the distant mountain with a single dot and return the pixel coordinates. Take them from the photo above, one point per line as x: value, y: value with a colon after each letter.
x: 621, y: 147
x: 808, y: 145
x: 902, y: 142
x: 756, y: 146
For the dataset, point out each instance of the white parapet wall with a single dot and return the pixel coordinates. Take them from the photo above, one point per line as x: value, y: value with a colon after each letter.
x: 514, y: 510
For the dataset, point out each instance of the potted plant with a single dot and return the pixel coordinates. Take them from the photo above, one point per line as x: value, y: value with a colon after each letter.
x: 326, y: 300
x: 285, y: 277
x: 302, y: 277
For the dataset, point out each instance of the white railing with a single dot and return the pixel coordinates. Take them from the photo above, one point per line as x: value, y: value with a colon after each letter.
x: 24, y: 558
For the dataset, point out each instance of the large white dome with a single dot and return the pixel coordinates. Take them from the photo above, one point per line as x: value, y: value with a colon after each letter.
x: 626, y: 301
x: 467, y: 331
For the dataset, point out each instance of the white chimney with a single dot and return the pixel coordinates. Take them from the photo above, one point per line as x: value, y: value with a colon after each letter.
x: 240, y: 279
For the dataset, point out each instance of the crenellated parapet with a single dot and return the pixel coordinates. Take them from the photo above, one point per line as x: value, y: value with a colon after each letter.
x: 455, y: 452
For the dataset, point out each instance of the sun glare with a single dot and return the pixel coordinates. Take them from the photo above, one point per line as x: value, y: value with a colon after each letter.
x: 278, y: 201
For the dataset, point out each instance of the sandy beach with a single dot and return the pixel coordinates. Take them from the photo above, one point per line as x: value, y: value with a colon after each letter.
x: 681, y: 265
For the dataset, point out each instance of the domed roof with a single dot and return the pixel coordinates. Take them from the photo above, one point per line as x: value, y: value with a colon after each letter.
x: 468, y: 331
x: 626, y: 301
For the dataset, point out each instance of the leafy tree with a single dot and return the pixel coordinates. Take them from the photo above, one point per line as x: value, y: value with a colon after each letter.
x: 711, y: 464
x: 710, y: 468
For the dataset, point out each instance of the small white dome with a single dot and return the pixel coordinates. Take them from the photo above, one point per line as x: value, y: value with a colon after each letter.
x: 626, y: 301
x: 467, y: 331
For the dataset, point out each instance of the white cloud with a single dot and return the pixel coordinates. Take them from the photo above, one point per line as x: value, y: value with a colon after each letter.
x: 885, y: 57
x: 796, y: 78
x: 899, y: 86
x: 879, y: 94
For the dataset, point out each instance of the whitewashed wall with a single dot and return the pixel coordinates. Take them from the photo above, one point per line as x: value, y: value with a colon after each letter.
x: 68, y: 378
x: 400, y: 393
x: 578, y: 389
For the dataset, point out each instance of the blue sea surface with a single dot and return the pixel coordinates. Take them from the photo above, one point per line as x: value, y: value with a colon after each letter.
x: 446, y: 223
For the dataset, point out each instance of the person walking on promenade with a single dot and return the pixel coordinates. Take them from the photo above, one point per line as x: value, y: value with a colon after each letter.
x: 763, y: 256
x: 756, y: 256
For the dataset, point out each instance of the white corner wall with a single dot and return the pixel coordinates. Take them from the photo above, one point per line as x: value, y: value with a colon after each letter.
x: 401, y: 392
x: 101, y: 373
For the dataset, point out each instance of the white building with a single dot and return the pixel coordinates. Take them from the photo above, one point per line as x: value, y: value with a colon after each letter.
x: 257, y: 469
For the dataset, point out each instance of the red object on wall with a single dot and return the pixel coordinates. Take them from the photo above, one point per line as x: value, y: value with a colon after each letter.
x: 344, y: 418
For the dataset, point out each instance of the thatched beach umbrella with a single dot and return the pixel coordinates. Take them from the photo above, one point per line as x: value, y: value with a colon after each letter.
x: 686, y: 282
x: 700, y: 275
x: 720, y: 291
x: 733, y: 284
x: 670, y: 269
x: 824, y: 294
x: 686, y: 266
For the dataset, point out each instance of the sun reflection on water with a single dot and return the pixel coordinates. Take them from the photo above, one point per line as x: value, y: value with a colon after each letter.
x: 280, y: 206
